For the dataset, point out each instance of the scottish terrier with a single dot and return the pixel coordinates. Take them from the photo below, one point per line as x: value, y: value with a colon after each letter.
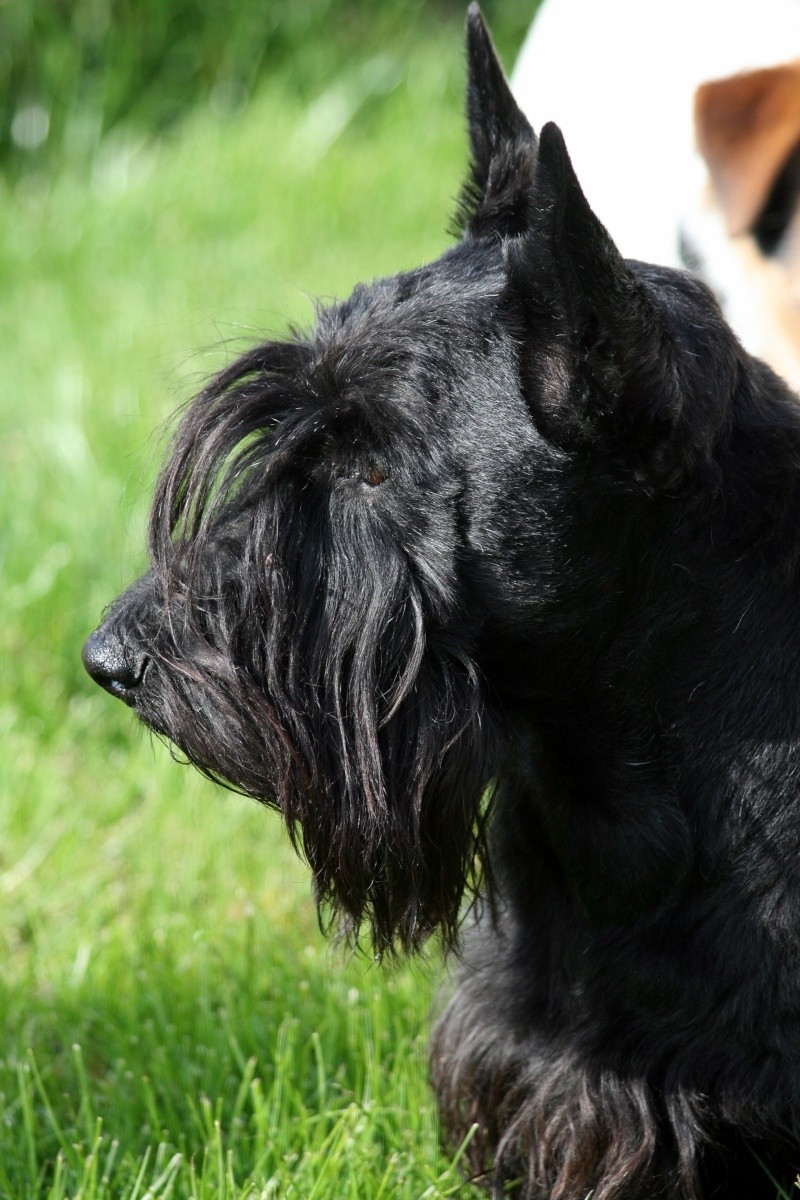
x: 491, y: 585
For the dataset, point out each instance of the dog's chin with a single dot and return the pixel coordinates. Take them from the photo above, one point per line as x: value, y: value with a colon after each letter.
x: 153, y: 723
x: 155, y: 708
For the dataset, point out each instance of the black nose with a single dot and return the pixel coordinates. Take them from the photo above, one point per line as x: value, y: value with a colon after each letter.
x: 115, y: 665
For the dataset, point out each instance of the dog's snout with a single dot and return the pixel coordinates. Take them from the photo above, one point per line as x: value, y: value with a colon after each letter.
x: 114, y: 664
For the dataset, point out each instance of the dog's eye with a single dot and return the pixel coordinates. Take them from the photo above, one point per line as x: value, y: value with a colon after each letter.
x: 374, y: 476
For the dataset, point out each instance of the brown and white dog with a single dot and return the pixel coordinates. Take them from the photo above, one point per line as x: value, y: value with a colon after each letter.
x: 683, y: 122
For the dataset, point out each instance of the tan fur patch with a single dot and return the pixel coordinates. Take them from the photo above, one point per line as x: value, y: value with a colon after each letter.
x: 746, y: 126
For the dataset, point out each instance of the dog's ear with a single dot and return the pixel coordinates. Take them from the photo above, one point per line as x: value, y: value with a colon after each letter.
x: 496, y: 194
x: 599, y: 358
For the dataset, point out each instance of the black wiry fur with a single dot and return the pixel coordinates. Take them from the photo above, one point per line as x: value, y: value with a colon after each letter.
x: 491, y: 583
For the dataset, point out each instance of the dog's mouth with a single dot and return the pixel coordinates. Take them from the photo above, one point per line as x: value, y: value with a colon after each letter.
x: 124, y: 693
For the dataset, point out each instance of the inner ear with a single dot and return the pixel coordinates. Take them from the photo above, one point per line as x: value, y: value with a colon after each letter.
x: 495, y: 196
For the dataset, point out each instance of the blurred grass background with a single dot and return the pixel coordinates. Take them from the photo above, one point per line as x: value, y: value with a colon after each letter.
x: 177, y: 180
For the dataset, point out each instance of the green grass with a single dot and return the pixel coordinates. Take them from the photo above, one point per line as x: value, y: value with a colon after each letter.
x: 172, y: 1023
x: 72, y: 71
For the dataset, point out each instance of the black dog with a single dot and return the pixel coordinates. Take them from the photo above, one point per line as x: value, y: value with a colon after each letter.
x: 491, y: 584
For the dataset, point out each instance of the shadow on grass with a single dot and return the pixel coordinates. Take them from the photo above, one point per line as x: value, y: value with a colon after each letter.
x: 254, y: 1067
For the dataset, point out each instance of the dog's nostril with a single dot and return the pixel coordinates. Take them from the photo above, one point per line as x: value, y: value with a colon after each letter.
x: 113, y: 664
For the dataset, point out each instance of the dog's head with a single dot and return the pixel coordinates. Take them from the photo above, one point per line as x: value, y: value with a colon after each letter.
x: 374, y: 542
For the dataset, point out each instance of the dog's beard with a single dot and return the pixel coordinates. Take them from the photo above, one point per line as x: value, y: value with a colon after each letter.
x: 312, y: 681
x: 303, y: 643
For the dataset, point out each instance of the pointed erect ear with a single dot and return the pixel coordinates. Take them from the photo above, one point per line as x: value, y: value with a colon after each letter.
x: 494, y: 199
x: 581, y: 304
